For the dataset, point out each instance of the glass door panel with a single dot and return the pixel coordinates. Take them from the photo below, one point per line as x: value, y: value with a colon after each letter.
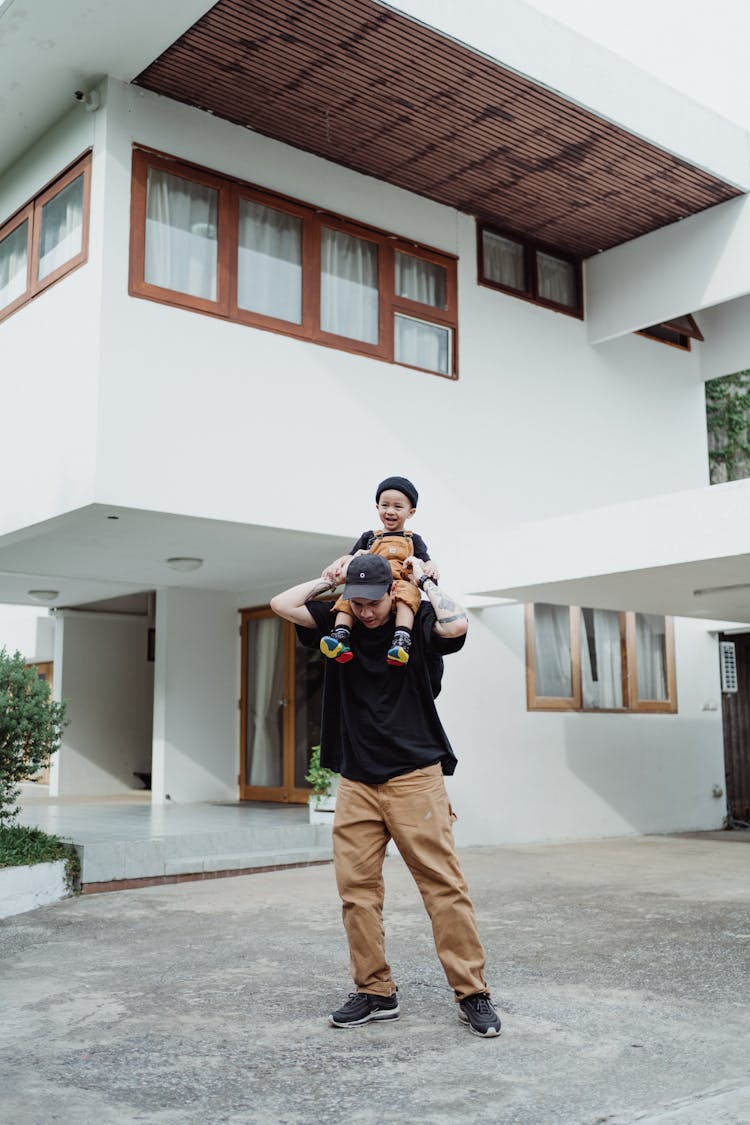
x: 280, y: 709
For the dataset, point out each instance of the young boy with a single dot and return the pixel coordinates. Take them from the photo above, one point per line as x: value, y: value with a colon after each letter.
x: 396, y: 502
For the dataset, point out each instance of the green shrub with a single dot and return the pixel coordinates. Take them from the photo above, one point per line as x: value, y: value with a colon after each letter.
x: 31, y: 726
x: 21, y: 847
x: 320, y: 778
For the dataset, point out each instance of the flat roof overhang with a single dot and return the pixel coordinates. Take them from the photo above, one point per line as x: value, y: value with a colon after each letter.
x: 365, y: 86
x: 685, y: 554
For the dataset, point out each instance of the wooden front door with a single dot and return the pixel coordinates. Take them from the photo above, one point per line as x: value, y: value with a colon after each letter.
x: 280, y: 703
x: 736, y: 716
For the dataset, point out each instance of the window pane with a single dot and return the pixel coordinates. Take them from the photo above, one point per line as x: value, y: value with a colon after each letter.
x: 308, y: 702
x: 418, y: 280
x: 270, y: 262
x: 556, y: 280
x: 601, y: 658
x: 651, y: 656
x: 349, y: 286
x: 62, y: 228
x: 181, y: 235
x: 265, y: 709
x: 552, y: 648
x: 503, y: 261
x: 13, y: 264
x: 423, y: 345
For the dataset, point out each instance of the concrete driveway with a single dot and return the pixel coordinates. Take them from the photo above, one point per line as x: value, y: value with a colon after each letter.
x: 620, y: 967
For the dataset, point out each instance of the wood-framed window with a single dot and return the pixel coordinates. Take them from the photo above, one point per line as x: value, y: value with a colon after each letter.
x: 580, y: 659
x: 529, y: 270
x: 679, y: 332
x: 220, y: 246
x: 46, y: 239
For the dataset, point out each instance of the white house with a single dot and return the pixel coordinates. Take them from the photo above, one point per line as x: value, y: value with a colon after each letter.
x: 254, y: 258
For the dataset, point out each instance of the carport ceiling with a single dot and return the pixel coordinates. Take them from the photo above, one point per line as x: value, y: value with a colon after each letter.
x: 370, y: 89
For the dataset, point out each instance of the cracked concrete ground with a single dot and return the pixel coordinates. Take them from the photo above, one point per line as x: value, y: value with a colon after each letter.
x: 620, y: 968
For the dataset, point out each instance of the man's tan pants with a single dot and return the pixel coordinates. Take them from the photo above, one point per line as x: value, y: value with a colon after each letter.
x: 413, y: 809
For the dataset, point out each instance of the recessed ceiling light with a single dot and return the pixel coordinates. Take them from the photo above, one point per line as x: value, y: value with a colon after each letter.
x: 184, y: 563
x: 43, y: 595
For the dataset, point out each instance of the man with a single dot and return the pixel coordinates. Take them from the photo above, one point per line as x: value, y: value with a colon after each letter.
x: 381, y: 732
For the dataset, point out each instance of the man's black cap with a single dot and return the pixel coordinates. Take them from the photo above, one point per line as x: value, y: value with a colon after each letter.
x: 369, y: 577
x: 402, y: 485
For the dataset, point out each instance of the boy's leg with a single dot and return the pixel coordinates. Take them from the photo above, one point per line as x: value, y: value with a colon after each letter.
x: 420, y: 820
x: 359, y: 842
x: 407, y: 603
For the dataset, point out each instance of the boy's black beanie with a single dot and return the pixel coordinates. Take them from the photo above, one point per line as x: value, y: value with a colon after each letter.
x: 402, y: 485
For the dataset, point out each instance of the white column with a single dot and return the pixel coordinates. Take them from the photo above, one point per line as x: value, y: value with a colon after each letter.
x: 196, y: 688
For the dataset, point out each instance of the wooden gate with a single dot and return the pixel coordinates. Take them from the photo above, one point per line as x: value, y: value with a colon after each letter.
x: 736, y: 715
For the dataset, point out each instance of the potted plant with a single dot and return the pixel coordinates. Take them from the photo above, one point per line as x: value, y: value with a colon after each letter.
x: 322, y: 801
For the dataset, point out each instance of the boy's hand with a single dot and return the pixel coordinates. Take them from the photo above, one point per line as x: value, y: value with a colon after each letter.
x: 430, y: 570
x: 336, y: 571
x: 414, y: 568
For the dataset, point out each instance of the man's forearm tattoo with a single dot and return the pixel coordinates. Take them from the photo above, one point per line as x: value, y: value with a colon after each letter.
x: 323, y: 587
x: 448, y: 610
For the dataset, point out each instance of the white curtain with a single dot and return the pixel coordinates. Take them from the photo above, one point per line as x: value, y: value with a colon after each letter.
x: 265, y: 670
x: 62, y: 228
x: 181, y: 235
x: 418, y: 280
x: 13, y: 264
x: 422, y: 345
x: 503, y: 260
x: 349, y: 286
x: 270, y: 262
x: 552, y: 648
x: 556, y: 279
x: 651, y: 656
x: 602, y: 677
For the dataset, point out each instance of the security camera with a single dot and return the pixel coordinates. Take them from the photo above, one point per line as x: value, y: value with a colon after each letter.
x: 80, y: 95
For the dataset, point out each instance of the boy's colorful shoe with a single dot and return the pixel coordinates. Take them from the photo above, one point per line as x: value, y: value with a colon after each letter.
x: 336, y: 650
x: 398, y: 656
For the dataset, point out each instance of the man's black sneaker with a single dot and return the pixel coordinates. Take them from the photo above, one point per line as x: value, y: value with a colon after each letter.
x: 361, y: 1007
x: 479, y: 1013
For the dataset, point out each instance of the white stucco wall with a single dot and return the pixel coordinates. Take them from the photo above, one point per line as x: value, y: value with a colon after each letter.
x: 28, y: 630
x: 554, y: 776
x: 102, y: 670
x: 196, y: 717
x: 232, y: 418
x: 49, y: 348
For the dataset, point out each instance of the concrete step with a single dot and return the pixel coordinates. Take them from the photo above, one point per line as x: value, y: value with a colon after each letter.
x: 106, y: 861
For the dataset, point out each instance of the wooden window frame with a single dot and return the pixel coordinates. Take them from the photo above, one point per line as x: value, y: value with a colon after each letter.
x: 314, y: 219
x: 32, y: 211
x: 632, y: 704
x: 531, y: 291
x: 673, y: 334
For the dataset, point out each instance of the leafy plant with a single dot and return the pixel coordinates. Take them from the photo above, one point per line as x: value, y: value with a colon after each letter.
x: 31, y: 726
x: 728, y: 423
x: 319, y: 777
x: 21, y: 847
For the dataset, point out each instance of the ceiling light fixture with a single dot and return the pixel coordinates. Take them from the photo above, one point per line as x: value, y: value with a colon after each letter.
x: 184, y: 563
x: 43, y: 595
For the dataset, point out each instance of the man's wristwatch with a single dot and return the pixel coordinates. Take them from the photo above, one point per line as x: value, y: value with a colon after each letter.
x: 423, y: 579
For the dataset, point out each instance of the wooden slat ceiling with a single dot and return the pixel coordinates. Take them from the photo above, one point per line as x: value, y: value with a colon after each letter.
x: 367, y: 88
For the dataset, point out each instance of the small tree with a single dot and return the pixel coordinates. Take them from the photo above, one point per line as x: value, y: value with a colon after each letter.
x: 31, y: 726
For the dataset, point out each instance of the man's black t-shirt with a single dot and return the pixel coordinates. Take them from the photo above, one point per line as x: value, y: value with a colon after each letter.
x: 379, y: 721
